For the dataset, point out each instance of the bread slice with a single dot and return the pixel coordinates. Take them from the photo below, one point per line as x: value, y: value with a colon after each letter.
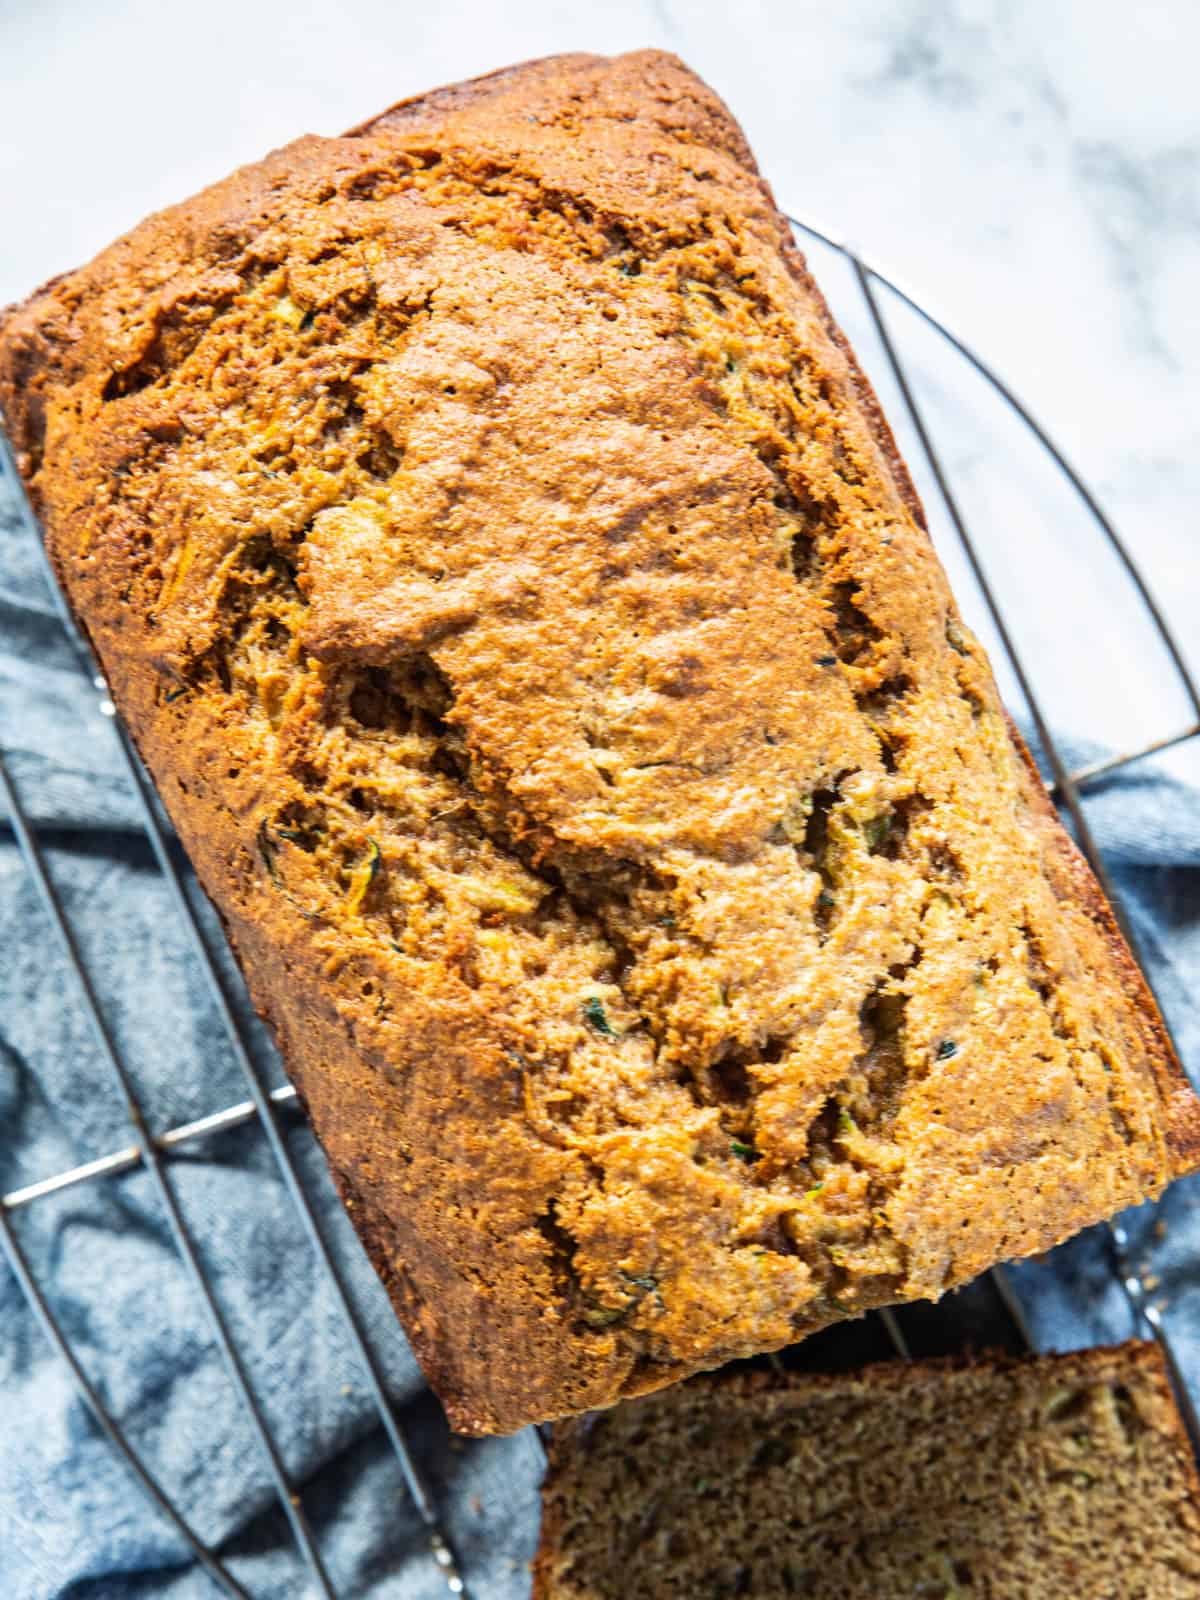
x: 1061, y: 1478
x: 512, y: 586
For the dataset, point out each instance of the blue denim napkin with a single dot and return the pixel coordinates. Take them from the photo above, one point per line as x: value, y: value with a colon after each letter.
x: 72, y: 1520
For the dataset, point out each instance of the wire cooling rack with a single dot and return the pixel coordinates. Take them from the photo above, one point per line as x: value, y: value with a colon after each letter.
x: 153, y: 1150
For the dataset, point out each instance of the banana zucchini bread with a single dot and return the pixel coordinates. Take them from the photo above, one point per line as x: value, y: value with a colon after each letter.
x: 1061, y: 1478
x: 512, y: 585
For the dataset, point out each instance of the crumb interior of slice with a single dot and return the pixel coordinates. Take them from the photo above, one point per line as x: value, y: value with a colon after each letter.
x: 970, y: 1485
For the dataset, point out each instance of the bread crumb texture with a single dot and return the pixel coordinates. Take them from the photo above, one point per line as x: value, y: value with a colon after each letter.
x: 508, y: 578
x: 1065, y: 1477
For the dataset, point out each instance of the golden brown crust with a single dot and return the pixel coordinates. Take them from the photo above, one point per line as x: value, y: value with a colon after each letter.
x: 545, y: 80
x: 1076, y: 883
x: 504, y: 568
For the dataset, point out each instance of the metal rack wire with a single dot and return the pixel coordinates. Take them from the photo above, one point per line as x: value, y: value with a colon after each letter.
x: 153, y: 1150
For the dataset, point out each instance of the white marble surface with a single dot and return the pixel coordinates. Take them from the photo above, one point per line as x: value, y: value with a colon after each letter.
x: 1030, y: 167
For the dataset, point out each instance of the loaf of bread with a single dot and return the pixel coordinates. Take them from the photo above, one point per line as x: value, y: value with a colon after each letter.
x: 1061, y: 1478
x: 513, y: 588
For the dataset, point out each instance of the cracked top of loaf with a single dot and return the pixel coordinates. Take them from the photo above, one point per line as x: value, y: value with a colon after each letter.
x: 506, y: 573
